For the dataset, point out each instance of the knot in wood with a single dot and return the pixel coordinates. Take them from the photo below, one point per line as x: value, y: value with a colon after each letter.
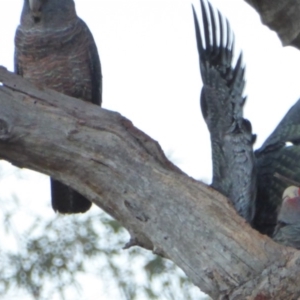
x: 135, y: 210
x: 4, y: 130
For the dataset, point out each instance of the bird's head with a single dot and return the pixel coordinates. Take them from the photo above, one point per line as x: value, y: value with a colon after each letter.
x: 290, y: 209
x: 43, y: 12
x: 36, y: 9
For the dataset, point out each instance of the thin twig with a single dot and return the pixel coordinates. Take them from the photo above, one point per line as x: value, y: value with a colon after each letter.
x: 286, y: 180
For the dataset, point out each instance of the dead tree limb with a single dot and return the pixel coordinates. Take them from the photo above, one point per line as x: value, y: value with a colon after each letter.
x: 282, y: 17
x: 123, y: 171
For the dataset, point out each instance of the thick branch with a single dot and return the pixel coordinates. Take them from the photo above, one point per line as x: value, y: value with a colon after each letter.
x: 282, y: 17
x: 122, y: 170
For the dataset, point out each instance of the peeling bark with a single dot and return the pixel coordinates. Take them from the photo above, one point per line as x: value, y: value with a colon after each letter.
x: 123, y: 171
x: 282, y: 17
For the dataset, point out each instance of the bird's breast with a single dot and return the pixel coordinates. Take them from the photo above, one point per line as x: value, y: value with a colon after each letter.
x: 58, y: 60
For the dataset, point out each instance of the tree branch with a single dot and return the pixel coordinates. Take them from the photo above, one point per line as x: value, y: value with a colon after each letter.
x: 282, y: 17
x: 123, y: 171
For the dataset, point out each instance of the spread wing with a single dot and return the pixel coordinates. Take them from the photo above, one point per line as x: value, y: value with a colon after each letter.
x: 276, y: 156
x: 222, y: 109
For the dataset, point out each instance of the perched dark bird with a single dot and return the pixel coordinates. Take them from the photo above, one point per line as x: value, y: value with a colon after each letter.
x: 222, y: 103
x: 280, y: 154
x: 287, y: 231
x: 54, y: 48
x: 250, y: 182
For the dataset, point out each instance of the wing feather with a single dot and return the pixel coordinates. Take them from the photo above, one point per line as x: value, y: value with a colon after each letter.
x: 276, y: 156
x: 222, y: 109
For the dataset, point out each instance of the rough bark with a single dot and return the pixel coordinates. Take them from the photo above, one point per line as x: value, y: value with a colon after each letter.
x: 123, y: 171
x: 282, y: 17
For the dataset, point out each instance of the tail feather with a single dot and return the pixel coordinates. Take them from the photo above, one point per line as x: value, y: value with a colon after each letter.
x: 66, y: 200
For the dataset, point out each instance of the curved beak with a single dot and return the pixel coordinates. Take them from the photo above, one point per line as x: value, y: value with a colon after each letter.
x: 35, y: 7
x: 290, y: 193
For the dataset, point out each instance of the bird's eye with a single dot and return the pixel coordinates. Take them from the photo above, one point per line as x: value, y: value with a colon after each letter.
x: 282, y: 224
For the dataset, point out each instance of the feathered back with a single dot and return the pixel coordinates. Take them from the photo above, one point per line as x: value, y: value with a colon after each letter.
x: 276, y: 156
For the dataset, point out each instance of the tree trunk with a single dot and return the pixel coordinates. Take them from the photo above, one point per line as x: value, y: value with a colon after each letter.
x: 282, y: 17
x: 123, y: 171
